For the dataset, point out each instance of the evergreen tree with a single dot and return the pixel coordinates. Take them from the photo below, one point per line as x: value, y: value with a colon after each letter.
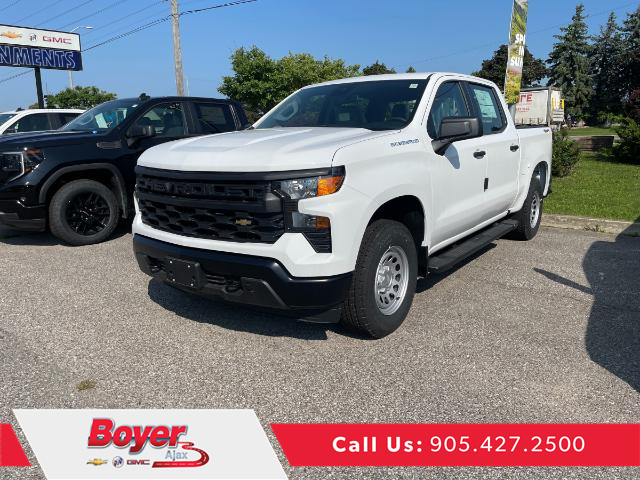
x: 569, y: 61
x: 411, y: 69
x: 606, y: 70
x: 631, y: 63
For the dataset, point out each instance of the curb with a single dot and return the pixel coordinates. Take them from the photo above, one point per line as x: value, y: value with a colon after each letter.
x: 600, y: 225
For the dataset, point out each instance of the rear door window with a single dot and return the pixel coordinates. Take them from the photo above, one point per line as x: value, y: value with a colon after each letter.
x: 489, y: 109
x: 31, y: 123
x: 214, y: 117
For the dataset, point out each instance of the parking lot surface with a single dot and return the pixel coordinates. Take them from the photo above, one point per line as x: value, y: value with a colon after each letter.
x: 543, y: 331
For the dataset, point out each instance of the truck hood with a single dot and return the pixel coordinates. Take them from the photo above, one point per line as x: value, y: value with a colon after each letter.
x: 259, y: 150
x: 48, y: 138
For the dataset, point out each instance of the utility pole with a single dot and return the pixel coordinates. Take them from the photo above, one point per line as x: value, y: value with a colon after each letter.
x: 177, y: 49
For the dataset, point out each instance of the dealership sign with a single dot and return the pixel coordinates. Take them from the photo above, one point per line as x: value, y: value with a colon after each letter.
x: 28, y: 47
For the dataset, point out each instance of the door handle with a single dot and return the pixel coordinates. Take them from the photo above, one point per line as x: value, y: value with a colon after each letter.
x: 514, y: 148
x: 479, y: 154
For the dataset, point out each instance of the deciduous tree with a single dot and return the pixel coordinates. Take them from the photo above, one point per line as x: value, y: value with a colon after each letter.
x: 261, y: 82
x: 79, y: 97
x: 494, y: 68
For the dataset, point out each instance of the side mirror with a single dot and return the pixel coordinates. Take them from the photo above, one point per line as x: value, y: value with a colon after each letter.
x: 453, y: 129
x: 141, y: 131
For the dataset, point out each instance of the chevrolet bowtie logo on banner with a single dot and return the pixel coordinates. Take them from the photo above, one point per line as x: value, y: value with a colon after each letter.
x: 150, y: 444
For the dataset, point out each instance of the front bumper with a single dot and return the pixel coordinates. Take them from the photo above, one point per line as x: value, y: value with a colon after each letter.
x: 14, y: 214
x: 246, y: 279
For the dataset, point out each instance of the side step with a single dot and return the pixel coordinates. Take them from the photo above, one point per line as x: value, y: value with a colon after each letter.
x: 449, y: 257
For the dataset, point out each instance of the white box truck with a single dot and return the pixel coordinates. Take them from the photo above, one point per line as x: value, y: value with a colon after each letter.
x: 540, y: 106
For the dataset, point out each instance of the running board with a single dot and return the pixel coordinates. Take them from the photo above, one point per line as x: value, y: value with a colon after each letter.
x: 451, y: 256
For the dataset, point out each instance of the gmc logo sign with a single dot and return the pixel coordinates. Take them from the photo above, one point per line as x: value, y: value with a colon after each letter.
x: 137, y: 462
x: 66, y: 41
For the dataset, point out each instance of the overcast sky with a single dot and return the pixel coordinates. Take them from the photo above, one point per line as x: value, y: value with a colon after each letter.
x: 431, y: 35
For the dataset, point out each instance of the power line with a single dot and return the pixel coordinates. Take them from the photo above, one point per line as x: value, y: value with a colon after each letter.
x: 97, y: 12
x: 166, y: 18
x: 143, y: 27
x: 125, y: 28
x: 64, y: 13
x: 44, y: 9
x: 15, y: 76
x: 129, y: 15
x: 10, y: 5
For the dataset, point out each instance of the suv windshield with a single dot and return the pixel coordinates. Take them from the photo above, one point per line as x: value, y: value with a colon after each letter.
x: 4, y: 117
x: 374, y: 105
x: 103, y: 117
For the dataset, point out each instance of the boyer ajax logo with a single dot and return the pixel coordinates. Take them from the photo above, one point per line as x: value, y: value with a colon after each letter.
x: 175, y: 452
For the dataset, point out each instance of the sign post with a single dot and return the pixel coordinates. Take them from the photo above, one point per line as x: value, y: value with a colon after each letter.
x: 39, y: 87
x: 515, y: 62
x: 37, y: 49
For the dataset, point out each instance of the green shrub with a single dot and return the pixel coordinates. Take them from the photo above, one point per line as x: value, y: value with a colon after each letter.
x: 566, y: 154
x: 627, y: 150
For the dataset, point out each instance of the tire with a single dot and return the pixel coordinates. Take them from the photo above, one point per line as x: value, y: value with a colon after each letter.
x: 83, y: 212
x: 365, y: 310
x: 530, y: 214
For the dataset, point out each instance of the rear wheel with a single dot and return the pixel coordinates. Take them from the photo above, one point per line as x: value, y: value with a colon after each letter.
x: 83, y: 212
x: 530, y: 215
x: 384, y: 281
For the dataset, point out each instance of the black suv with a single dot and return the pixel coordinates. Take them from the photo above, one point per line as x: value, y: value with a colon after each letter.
x: 78, y: 181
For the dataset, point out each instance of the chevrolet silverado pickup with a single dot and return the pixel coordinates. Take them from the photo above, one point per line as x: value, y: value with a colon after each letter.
x: 340, y: 197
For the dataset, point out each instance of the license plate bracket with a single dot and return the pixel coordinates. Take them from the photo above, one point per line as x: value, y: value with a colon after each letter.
x: 184, y: 273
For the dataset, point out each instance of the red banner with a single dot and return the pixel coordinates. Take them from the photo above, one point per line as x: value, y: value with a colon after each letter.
x: 11, y: 453
x: 460, y: 444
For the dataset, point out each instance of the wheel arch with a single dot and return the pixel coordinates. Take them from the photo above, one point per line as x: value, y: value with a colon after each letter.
x: 104, y: 173
x: 408, y: 210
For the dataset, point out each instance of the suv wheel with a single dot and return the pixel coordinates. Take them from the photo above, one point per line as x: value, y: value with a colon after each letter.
x: 83, y: 212
x: 384, y: 281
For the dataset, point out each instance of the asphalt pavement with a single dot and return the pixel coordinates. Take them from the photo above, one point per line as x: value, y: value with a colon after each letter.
x: 542, y: 331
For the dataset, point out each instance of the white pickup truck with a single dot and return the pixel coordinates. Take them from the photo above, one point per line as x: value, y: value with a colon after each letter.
x: 333, y: 204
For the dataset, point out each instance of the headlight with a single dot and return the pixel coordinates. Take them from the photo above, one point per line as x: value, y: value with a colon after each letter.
x: 309, y: 187
x: 16, y: 164
x: 315, y: 228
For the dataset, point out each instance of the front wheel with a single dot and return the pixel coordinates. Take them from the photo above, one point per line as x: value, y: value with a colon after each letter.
x: 83, y: 212
x: 384, y: 281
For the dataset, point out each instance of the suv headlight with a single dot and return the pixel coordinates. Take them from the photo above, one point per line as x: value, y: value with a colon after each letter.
x: 16, y: 164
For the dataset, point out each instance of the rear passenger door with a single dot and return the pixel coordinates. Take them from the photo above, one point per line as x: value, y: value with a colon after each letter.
x: 500, y: 142
x: 213, y: 117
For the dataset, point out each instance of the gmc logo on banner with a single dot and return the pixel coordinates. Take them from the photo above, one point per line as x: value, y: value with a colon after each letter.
x: 137, y: 462
x: 66, y: 41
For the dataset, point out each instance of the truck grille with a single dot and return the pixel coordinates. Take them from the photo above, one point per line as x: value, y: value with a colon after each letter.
x: 203, y: 206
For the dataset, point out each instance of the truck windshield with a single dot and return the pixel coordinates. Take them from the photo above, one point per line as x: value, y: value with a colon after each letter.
x: 5, y: 117
x: 103, y: 117
x: 374, y: 105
